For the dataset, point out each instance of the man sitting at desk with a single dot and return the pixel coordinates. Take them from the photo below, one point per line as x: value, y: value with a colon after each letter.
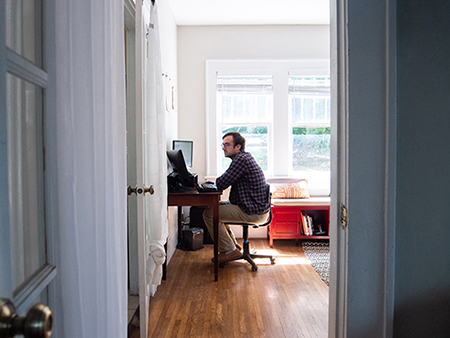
x: 248, y: 198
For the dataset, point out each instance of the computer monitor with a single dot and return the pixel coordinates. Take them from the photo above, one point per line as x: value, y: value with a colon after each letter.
x: 186, y: 147
x: 178, y: 164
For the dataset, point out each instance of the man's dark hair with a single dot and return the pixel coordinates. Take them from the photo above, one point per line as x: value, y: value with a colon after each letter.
x: 237, y: 139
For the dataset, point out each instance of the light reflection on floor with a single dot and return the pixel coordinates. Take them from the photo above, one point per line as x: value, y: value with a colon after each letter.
x: 280, y: 259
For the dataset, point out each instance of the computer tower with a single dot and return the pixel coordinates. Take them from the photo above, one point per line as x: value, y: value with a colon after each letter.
x: 193, y: 239
x: 196, y: 220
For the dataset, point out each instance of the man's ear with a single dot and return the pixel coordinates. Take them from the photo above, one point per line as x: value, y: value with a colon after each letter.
x: 238, y: 147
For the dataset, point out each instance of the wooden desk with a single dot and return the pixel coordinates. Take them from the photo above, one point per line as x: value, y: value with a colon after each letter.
x: 194, y: 198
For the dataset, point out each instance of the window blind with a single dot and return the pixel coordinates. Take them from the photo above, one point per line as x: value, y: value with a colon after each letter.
x: 261, y: 85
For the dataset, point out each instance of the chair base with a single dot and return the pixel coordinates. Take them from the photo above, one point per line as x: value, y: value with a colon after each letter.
x: 248, y: 256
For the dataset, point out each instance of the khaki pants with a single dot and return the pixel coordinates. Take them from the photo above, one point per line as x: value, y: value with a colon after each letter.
x: 229, y: 213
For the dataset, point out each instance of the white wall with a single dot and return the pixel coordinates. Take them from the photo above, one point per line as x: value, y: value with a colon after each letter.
x: 196, y: 44
x: 168, y: 36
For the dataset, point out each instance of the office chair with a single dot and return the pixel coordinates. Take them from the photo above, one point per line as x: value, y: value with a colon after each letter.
x: 247, y: 255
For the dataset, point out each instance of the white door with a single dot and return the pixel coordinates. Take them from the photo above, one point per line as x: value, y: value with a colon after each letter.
x: 25, y: 269
x: 339, y: 168
x: 144, y: 292
x: 363, y: 168
x: 130, y: 48
x: 137, y: 160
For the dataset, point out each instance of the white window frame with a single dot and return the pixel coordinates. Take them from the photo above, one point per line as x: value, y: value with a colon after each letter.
x: 278, y: 137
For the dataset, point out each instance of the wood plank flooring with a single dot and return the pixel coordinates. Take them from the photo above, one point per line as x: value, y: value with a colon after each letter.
x: 287, y: 299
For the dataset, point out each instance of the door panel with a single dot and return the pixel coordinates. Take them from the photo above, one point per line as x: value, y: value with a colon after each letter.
x: 133, y: 272
x: 25, y: 272
x: 5, y: 247
x: 24, y: 29
x: 25, y: 167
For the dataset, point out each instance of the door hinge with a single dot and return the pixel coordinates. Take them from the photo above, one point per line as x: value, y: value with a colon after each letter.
x: 344, y: 216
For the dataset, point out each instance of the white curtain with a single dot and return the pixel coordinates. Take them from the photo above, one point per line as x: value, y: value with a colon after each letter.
x: 86, y: 98
x: 155, y: 153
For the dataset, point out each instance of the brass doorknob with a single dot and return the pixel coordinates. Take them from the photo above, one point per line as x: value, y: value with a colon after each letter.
x: 131, y: 190
x: 37, y: 323
x: 149, y: 189
x: 139, y: 191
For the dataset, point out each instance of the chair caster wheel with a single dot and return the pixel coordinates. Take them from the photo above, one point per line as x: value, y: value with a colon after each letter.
x: 255, y: 268
x: 272, y: 261
x: 222, y: 265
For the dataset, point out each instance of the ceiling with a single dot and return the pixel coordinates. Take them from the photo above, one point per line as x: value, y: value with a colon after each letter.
x: 250, y: 12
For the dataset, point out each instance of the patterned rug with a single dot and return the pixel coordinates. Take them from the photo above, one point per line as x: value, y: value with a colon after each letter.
x: 318, y: 253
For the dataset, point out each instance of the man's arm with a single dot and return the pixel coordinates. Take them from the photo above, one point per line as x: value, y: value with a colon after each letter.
x: 234, y: 171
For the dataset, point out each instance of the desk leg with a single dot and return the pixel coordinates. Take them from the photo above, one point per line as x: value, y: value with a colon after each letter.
x: 164, y: 267
x: 180, y: 224
x: 216, y: 238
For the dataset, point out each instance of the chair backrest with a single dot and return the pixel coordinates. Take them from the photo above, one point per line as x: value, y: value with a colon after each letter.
x: 269, y: 197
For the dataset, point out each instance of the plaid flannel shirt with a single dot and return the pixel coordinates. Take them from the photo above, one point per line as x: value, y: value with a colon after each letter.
x: 247, y: 184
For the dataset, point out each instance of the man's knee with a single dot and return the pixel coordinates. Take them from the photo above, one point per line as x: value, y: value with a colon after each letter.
x: 207, y: 214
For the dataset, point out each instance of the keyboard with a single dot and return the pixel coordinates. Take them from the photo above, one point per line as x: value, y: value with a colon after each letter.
x: 206, y: 187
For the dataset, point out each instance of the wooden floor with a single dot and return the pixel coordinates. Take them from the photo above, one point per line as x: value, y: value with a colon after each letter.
x: 287, y: 299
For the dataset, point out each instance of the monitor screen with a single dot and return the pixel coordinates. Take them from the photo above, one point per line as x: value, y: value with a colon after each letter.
x: 186, y: 147
x: 178, y: 164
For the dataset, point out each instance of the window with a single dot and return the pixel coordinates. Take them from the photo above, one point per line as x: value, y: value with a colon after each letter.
x: 245, y: 105
x: 309, y: 106
x: 281, y: 107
